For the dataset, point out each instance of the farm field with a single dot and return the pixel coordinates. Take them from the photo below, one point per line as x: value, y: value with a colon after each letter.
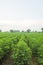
x: 21, y: 48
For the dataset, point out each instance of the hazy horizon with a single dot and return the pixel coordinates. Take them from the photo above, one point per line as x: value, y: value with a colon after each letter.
x: 21, y: 15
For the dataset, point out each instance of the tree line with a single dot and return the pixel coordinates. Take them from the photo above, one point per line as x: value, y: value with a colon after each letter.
x: 28, y: 30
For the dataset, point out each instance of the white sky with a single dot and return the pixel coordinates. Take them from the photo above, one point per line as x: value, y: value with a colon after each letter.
x: 21, y: 14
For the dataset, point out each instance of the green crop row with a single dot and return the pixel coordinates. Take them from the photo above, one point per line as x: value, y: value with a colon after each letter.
x: 22, y: 53
x: 6, y: 44
x: 24, y: 46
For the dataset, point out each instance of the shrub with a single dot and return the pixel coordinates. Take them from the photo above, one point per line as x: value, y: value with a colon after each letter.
x: 1, y: 53
x: 22, y: 54
x: 40, y: 55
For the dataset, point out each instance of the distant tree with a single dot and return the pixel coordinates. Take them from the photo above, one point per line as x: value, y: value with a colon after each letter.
x: 35, y: 31
x: 42, y: 29
x: 11, y: 30
x: 0, y: 30
x: 28, y: 30
x: 16, y: 30
x: 22, y: 30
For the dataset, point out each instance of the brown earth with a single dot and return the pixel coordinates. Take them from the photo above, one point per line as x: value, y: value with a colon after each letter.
x: 34, y: 62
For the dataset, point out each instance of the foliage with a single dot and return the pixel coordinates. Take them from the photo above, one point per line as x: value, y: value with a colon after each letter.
x: 22, y: 54
x: 40, y: 55
x: 23, y: 46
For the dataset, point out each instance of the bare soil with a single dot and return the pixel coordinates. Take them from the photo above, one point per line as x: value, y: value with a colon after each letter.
x: 34, y: 61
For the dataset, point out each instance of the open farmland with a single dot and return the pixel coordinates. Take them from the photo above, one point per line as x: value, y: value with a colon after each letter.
x: 21, y: 48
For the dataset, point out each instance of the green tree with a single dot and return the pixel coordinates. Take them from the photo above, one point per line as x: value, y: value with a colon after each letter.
x: 0, y: 30
x: 28, y: 30
x: 11, y: 30
x: 42, y: 29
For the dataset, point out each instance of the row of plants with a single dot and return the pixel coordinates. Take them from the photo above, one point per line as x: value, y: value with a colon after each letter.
x: 6, y: 44
x: 24, y: 46
x: 21, y: 53
x: 35, y: 42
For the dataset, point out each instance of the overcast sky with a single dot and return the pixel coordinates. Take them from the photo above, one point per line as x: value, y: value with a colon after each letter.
x: 21, y: 14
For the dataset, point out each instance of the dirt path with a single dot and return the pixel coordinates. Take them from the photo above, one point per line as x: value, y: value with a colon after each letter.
x: 34, y: 61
